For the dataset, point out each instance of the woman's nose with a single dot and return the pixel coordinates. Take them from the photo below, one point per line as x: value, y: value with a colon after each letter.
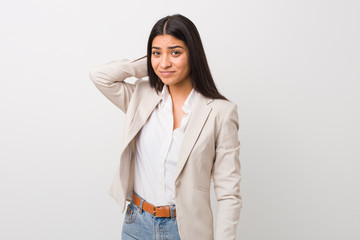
x: 165, y: 61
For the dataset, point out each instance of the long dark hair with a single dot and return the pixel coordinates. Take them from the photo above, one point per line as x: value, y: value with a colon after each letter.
x: 185, y: 30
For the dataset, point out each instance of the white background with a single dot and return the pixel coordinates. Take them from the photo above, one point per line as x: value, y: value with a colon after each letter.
x: 293, y: 68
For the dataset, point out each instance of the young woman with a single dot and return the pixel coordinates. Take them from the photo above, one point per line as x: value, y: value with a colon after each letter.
x: 180, y: 133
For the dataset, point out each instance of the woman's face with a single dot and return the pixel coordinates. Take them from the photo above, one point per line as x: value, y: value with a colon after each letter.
x: 170, y: 60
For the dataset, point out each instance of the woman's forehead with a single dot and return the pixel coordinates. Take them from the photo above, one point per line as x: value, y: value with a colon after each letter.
x: 166, y: 41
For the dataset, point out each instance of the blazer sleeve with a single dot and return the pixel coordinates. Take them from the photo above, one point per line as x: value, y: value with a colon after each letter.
x: 226, y: 176
x: 109, y: 79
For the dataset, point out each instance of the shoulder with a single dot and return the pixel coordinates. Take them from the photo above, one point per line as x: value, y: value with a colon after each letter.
x: 225, y: 115
x: 223, y: 107
x: 142, y: 89
x: 142, y: 86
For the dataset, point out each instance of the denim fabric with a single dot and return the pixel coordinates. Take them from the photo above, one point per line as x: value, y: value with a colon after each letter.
x: 141, y: 225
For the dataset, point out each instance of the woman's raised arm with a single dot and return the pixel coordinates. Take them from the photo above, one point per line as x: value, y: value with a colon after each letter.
x: 109, y: 79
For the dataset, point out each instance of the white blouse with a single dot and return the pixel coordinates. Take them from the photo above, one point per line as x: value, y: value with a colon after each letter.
x: 157, y: 151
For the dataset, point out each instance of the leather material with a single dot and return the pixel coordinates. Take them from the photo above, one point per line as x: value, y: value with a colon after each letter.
x: 156, y: 211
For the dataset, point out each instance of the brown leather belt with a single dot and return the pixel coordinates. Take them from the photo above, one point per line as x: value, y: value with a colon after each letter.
x: 161, y: 211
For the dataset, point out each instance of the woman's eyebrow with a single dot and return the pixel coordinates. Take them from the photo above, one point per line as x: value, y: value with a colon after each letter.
x: 177, y: 46
x: 171, y: 47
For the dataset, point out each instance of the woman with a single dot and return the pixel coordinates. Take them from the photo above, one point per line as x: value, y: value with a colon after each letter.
x: 180, y: 133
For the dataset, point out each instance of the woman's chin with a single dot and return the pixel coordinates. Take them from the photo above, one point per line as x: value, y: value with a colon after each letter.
x: 167, y: 81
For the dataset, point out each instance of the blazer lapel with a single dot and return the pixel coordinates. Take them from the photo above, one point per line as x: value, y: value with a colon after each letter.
x: 146, y: 106
x: 198, y: 117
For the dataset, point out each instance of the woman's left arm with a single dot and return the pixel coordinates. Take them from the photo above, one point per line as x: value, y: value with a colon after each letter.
x: 226, y: 176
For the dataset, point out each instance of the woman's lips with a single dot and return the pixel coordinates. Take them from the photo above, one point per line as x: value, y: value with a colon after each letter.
x: 167, y: 73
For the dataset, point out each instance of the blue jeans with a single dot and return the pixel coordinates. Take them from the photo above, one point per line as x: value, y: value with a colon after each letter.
x: 141, y: 225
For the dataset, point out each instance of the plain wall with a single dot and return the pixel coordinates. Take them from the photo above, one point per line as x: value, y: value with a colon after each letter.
x: 293, y: 68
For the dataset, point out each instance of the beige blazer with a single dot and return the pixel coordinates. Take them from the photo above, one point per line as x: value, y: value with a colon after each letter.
x: 210, y: 150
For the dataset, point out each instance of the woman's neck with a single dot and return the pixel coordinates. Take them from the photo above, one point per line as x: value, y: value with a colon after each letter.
x: 180, y: 92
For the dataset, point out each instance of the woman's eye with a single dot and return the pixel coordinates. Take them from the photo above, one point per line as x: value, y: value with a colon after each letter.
x: 156, y: 53
x: 175, y: 53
